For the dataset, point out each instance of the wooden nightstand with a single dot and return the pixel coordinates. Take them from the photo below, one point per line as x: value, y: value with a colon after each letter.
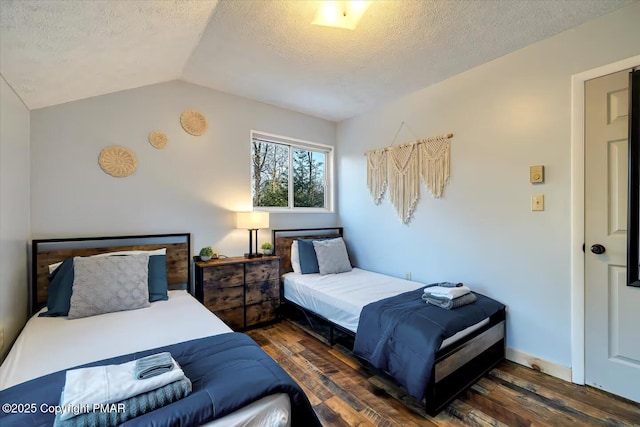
x: 243, y: 292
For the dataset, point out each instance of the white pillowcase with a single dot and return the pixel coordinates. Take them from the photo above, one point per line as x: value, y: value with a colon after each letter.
x: 295, y: 257
x: 163, y: 251
x: 332, y: 256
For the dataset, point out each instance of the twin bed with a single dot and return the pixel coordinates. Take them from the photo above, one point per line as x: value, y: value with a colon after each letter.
x: 473, y: 343
x: 50, y: 345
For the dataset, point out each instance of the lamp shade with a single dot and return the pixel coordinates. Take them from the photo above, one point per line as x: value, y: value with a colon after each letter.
x: 253, y: 220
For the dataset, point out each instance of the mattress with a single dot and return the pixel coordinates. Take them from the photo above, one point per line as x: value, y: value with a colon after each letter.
x: 50, y: 344
x: 340, y: 298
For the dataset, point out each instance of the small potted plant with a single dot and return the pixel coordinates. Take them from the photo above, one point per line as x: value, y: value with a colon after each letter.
x: 206, y: 253
x: 267, y: 248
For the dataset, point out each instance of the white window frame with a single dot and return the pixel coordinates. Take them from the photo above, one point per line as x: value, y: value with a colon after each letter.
x: 305, y: 145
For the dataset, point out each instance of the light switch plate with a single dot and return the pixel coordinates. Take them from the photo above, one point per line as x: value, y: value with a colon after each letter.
x: 537, y: 202
x: 536, y: 174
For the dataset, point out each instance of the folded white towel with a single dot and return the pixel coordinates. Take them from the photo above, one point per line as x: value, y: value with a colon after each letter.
x: 450, y: 293
x: 85, y: 387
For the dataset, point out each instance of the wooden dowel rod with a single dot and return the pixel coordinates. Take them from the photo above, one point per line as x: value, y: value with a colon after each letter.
x: 419, y: 141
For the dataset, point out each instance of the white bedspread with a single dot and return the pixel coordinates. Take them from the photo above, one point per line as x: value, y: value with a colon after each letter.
x: 50, y: 344
x: 341, y: 297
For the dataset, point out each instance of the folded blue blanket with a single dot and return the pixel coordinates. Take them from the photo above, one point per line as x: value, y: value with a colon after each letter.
x: 447, y: 303
x: 114, y: 414
x: 153, y: 365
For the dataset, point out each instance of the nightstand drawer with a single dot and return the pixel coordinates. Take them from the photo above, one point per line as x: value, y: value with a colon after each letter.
x: 223, y: 276
x: 222, y: 298
x: 233, y: 317
x: 261, y: 270
x: 263, y: 291
x: 263, y: 312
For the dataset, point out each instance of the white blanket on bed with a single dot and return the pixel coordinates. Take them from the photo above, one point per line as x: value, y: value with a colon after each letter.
x: 444, y: 292
x: 86, y: 387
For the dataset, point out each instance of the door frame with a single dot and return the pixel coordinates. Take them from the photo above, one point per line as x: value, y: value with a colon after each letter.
x: 577, y: 210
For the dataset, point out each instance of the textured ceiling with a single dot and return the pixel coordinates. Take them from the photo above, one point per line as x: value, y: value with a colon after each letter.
x: 62, y: 50
x: 56, y: 51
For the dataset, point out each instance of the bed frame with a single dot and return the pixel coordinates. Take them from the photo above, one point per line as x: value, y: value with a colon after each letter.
x: 456, y: 367
x: 49, y: 251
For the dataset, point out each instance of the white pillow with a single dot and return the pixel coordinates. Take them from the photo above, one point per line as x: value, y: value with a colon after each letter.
x: 295, y: 257
x: 332, y: 256
x: 163, y: 251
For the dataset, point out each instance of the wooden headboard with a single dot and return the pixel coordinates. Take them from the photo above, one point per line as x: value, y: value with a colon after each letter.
x: 50, y: 251
x: 282, y: 240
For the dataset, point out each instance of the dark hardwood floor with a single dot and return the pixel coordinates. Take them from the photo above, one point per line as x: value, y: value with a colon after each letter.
x: 344, y: 393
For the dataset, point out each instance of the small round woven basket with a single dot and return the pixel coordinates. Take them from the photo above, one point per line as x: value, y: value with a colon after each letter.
x: 158, y: 139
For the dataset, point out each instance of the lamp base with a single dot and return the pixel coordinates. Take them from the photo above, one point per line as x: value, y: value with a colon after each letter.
x: 256, y: 255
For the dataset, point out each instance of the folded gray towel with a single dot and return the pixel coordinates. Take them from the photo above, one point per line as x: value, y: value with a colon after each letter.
x: 449, y: 303
x: 446, y: 284
x: 153, y: 365
x: 117, y: 413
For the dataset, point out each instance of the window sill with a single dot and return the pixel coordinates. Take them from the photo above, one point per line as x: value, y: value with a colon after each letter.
x: 295, y: 210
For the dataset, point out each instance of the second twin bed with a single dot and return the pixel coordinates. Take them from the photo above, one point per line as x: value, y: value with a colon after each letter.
x: 434, y: 353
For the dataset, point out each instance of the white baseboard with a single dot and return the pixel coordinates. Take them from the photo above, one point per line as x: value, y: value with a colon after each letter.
x: 541, y: 365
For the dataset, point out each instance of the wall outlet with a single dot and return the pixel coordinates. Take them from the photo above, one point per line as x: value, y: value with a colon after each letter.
x: 407, y: 275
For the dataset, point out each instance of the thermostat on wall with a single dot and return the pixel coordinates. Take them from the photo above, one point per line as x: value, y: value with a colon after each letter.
x: 536, y: 174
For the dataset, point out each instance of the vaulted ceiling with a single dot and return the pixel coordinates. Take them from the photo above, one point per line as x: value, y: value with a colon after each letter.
x: 57, y: 51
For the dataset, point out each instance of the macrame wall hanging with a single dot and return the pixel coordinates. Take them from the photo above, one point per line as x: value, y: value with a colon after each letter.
x: 435, y: 155
x: 404, y: 180
x: 400, y: 168
x: 377, y: 174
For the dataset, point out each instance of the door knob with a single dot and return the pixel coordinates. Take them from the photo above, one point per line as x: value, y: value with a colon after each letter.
x: 598, y: 249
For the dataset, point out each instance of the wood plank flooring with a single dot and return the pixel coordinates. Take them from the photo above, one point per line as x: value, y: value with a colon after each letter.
x: 344, y: 393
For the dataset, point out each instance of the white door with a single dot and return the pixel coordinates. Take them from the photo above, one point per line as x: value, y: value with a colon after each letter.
x: 612, y: 311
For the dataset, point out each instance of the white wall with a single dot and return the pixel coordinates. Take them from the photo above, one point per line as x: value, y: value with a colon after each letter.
x: 14, y: 213
x: 193, y: 185
x: 506, y: 115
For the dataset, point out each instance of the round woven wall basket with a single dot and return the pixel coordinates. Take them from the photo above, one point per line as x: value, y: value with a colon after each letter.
x: 158, y: 139
x: 194, y: 122
x: 118, y: 161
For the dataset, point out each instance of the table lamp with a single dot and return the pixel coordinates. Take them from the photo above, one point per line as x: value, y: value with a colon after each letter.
x: 253, y: 221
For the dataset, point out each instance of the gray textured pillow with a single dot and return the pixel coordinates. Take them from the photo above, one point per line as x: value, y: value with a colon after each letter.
x: 332, y: 256
x: 108, y: 284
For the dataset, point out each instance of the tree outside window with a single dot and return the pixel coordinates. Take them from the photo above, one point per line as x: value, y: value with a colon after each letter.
x: 270, y: 174
x: 308, y: 179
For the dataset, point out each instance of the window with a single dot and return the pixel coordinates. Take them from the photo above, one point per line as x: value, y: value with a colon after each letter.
x: 287, y: 174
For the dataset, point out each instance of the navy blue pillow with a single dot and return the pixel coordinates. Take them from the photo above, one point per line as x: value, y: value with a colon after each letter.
x: 158, y: 278
x: 308, y: 257
x: 61, y: 285
x: 59, y: 290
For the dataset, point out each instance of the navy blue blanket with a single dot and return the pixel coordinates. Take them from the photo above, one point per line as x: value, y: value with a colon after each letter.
x: 227, y: 372
x: 402, y: 334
